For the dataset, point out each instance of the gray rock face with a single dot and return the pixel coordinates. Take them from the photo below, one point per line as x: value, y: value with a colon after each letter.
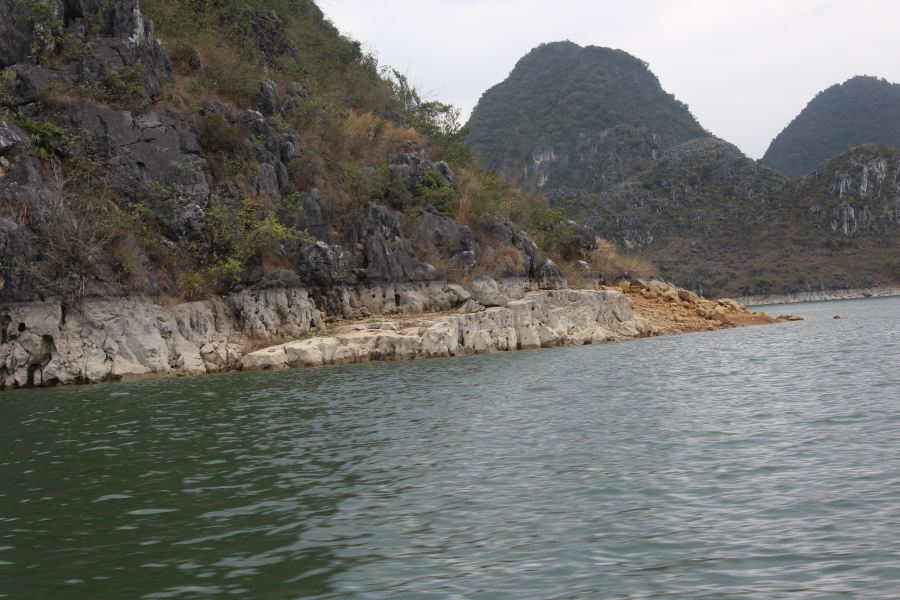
x: 15, y: 34
x: 29, y: 81
x: 15, y: 244
x: 486, y: 291
x: 408, y: 171
x: 587, y: 235
x: 550, y: 277
x: 386, y: 256
x: 316, y: 219
x: 320, y: 264
x: 447, y: 239
x: 150, y: 158
x: 124, y: 39
x: 11, y: 136
x: 505, y: 233
x: 866, y: 189
x: 268, y: 101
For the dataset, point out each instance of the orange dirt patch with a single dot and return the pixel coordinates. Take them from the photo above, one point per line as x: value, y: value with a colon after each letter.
x: 751, y: 319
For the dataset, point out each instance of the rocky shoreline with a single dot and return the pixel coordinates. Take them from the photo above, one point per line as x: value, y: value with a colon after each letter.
x: 278, y: 325
x: 819, y: 296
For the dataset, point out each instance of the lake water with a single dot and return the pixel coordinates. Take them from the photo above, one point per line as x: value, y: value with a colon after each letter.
x: 754, y: 463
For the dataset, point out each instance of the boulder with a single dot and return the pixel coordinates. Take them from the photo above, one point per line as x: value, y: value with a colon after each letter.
x: 486, y: 291
x: 688, y: 296
x: 407, y: 173
x: 382, y: 253
x: 447, y: 239
x: 320, y: 264
x: 505, y: 233
x: 551, y: 277
x: 11, y: 137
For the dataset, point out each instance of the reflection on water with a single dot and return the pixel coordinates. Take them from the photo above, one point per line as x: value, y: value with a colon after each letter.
x: 752, y: 463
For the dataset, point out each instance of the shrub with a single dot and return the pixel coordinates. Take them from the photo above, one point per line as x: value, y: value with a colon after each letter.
x: 607, y: 260
x: 562, y: 240
x: 240, y: 234
x: 435, y: 190
x: 763, y: 284
x: 123, y: 88
x: 891, y: 268
x: 217, y: 135
x: 365, y: 184
x: 194, y: 284
x: 72, y: 237
x: 44, y: 136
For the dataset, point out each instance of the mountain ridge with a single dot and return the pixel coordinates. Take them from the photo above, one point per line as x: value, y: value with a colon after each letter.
x: 861, y: 110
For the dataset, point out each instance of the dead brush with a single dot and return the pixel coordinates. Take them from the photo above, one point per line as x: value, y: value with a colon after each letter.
x: 497, y: 264
x: 606, y: 259
x: 21, y: 212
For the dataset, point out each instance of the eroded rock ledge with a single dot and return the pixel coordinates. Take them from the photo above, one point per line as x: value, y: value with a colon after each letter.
x: 542, y: 319
x: 113, y: 337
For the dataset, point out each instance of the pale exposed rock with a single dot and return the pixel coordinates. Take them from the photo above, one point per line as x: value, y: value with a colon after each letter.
x: 541, y: 319
x: 486, y: 291
x: 551, y: 277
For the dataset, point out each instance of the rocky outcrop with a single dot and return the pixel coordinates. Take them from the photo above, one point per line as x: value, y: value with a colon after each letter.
x: 551, y: 277
x: 407, y: 173
x: 505, y: 233
x: 151, y: 158
x: 382, y: 254
x: 863, y: 191
x: 446, y: 239
x: 108, y: 338
x: 540, y: 320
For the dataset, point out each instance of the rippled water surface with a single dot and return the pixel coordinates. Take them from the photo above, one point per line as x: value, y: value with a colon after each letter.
x: 756, y: 463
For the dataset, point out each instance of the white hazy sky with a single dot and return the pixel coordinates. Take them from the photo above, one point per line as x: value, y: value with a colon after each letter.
x: 745, y: 67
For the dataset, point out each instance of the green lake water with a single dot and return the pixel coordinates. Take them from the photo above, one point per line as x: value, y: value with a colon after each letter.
x: 754, y: 463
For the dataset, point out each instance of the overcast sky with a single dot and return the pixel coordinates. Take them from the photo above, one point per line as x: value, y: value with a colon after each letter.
x: 745, y: 67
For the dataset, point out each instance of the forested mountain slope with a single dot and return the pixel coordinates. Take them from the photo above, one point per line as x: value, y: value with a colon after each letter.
x: 862, y: 110
x: 544, y: 123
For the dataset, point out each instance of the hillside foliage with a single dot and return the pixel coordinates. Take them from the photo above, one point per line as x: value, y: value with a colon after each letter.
x: 862, y: 110
x: 560, y: 89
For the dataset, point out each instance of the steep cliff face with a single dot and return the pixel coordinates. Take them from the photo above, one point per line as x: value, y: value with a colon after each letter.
x: 862, y: 110
x: 856, y: 193
x: 549, y: 122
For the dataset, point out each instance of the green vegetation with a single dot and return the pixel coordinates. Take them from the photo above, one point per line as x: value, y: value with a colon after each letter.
x: 47, y: 28
x: 561, y: 89
x: 862, y: 110
x: 562, y: 240
x: 242, y: 233
x: 45, y: 136
x: 435, y: 191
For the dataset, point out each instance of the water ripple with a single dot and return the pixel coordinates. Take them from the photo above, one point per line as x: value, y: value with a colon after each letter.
x: 743, y: 464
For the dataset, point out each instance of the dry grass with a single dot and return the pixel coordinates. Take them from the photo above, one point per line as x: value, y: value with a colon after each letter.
x: 499, y: 263
x: 606, y: 259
